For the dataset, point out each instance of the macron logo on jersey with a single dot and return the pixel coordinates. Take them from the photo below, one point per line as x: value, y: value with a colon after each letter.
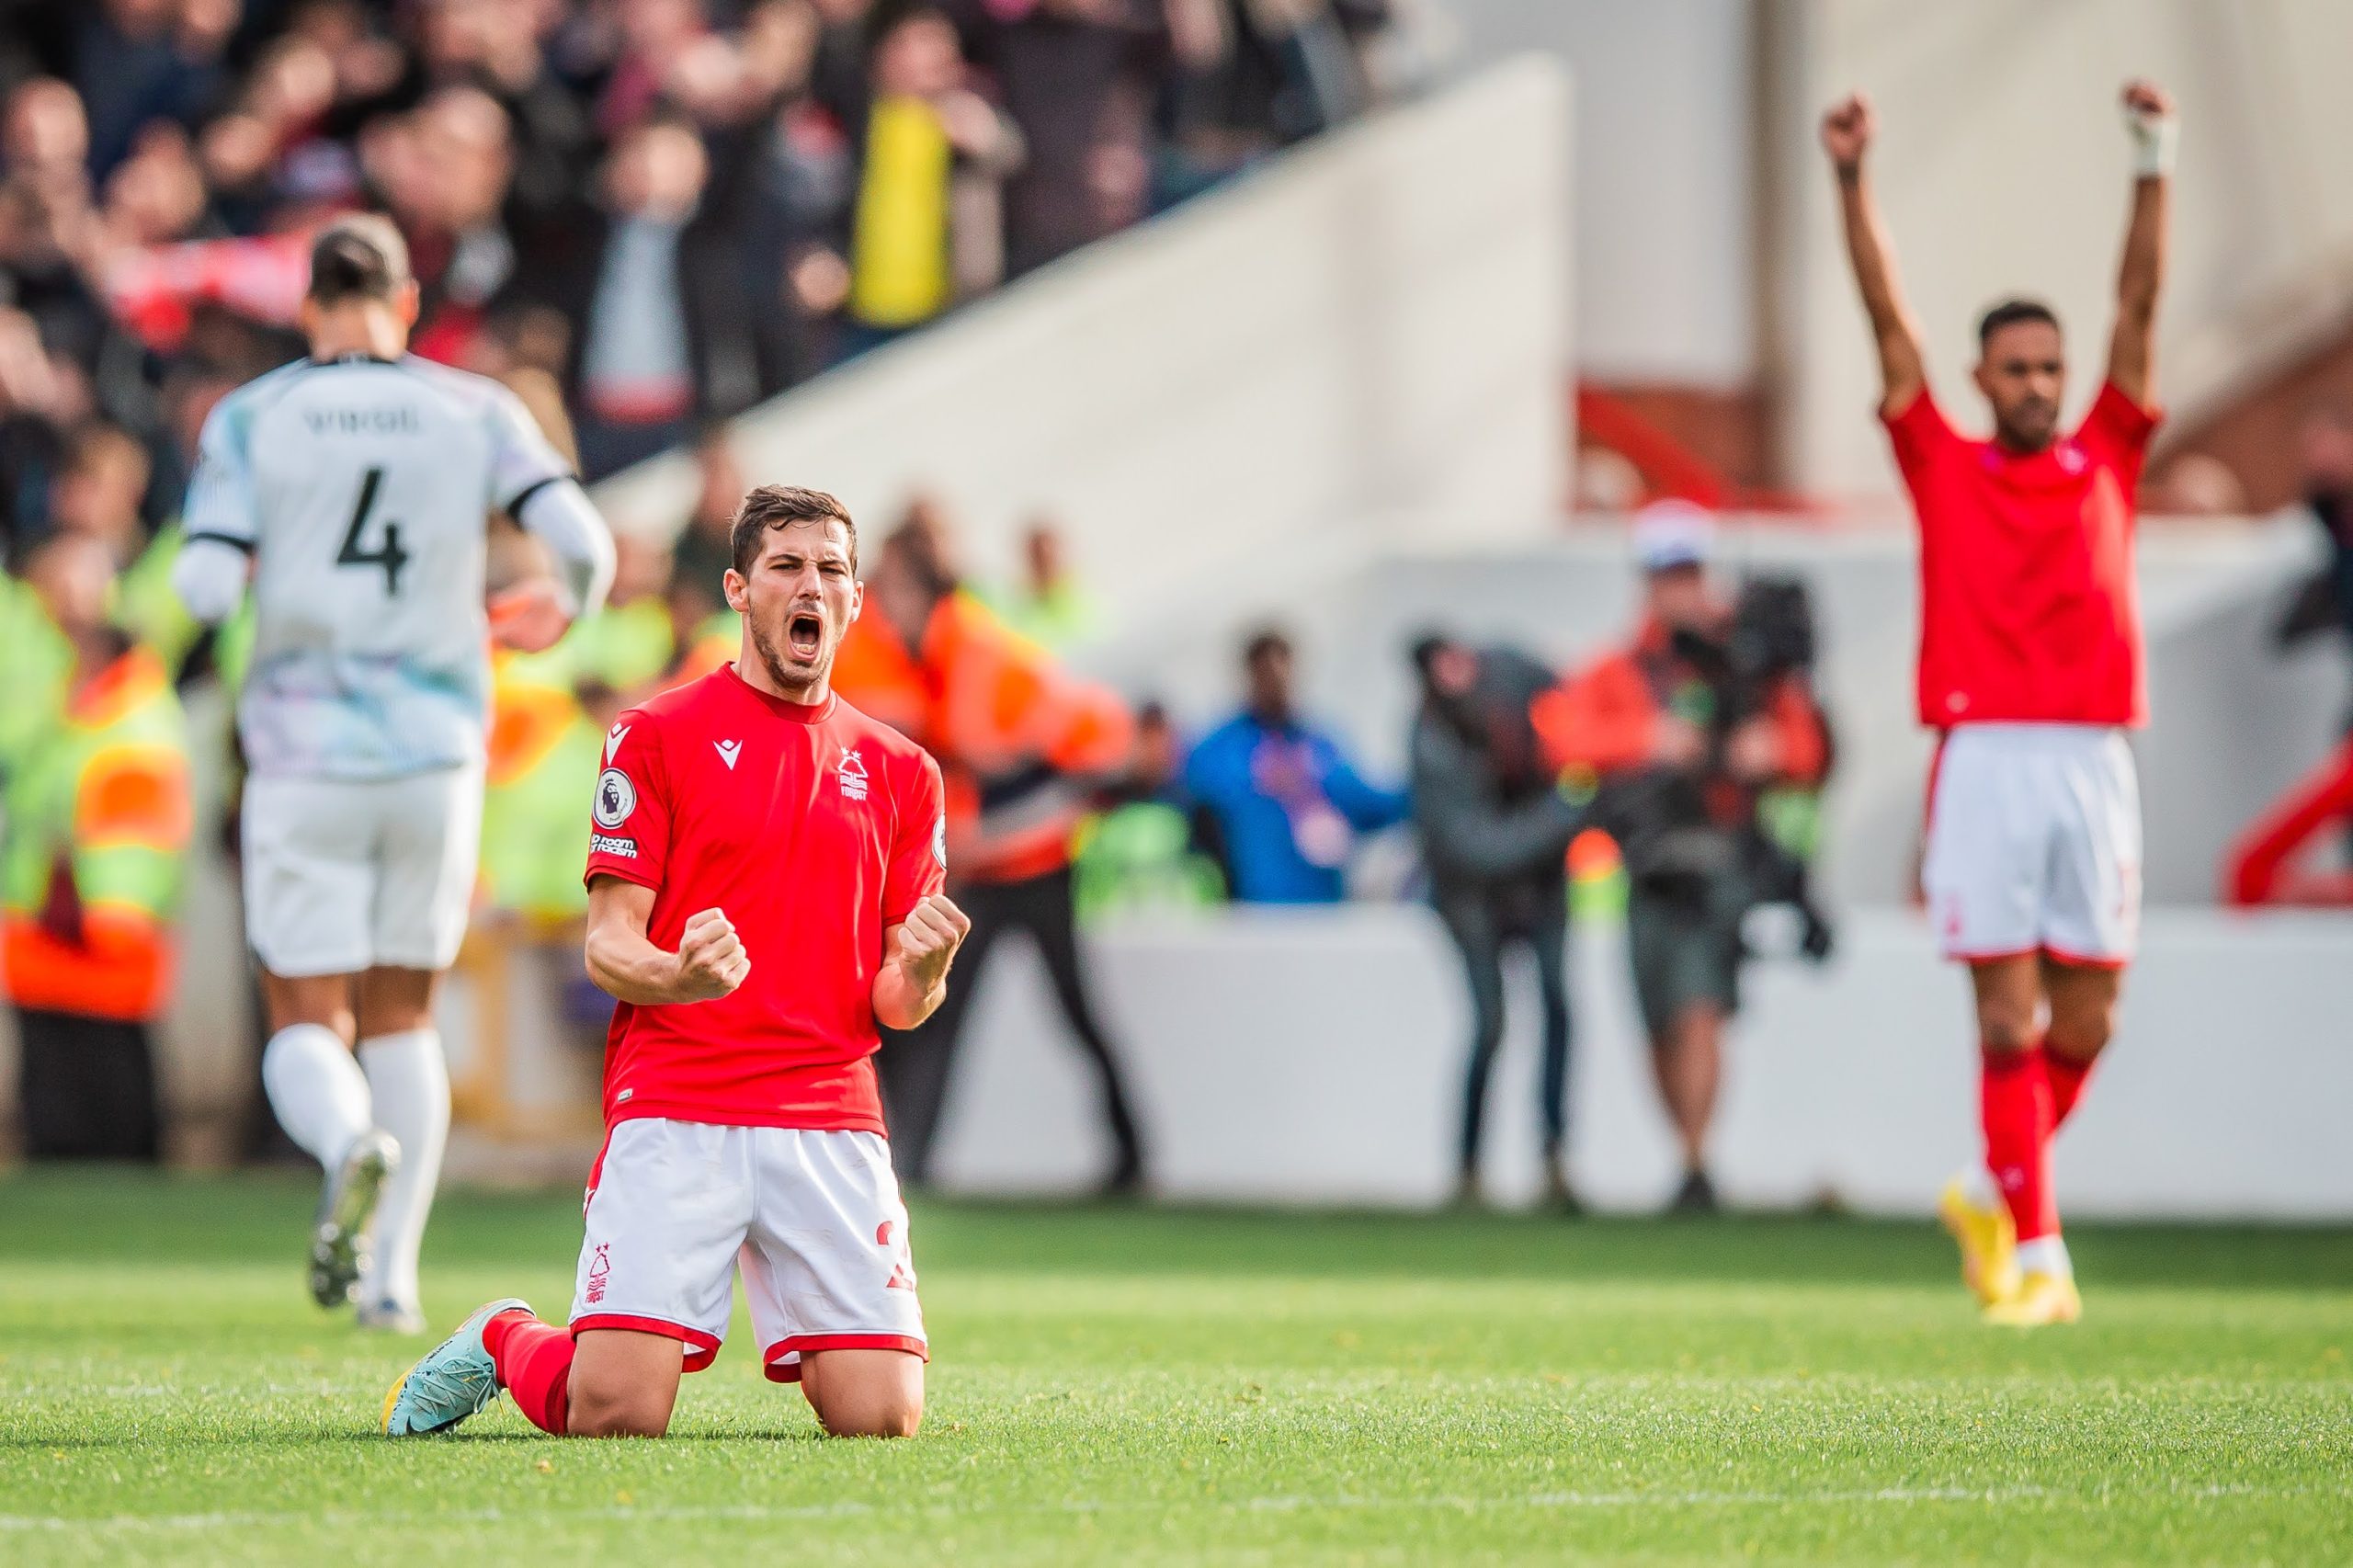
x: 613, y: 739
x: 853, y: 778
x: 728, y: 752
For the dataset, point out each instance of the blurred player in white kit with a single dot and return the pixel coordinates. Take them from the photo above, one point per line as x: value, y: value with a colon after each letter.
x: 353, y: 489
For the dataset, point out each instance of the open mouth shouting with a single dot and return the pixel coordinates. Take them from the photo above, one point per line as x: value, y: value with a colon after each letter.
x: 804, y: 635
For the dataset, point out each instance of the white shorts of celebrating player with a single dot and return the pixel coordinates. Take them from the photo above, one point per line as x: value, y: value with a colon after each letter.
x: 814, y: 1220
x: 345, y: 875
x: 2034, y: 843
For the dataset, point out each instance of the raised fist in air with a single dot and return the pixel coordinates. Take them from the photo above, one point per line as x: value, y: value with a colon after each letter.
x: 1847, y: 130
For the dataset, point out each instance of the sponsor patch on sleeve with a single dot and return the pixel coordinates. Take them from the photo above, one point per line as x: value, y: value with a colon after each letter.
x: 616, y: 798
x: 940, y: 842
x: 604, y: 843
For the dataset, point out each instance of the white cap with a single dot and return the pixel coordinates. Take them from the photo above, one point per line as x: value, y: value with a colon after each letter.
x: 1674, y: 533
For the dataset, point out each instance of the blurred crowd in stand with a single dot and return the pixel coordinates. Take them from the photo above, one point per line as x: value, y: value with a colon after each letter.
x: 655, y: 213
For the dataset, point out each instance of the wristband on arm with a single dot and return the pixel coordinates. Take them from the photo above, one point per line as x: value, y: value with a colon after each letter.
x: 2155, y: 140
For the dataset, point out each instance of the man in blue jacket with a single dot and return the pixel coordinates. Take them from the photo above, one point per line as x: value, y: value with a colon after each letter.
x: 1289, y: 802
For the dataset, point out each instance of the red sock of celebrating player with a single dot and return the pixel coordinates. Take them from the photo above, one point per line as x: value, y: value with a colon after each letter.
x: 2067, y: 1074
x: 2015, y: 1102
x: 534, y: 1361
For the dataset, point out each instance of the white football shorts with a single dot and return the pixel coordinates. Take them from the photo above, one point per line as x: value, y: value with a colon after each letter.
x: 341, y: 875
x: 812, y: 1220
x: 2034, y: 843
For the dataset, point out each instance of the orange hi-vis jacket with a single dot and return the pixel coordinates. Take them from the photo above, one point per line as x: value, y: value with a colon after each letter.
x: 95, y: 852
x: 1021, y: 743
x: 1605, y: 719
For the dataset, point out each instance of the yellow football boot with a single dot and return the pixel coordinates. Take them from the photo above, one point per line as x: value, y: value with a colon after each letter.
x: 1989, y: 1243
x: 2039, y: 1300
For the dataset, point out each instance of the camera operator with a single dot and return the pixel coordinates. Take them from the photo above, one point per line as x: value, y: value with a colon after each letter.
x: 1686, y: 732
x: 1494, y: 833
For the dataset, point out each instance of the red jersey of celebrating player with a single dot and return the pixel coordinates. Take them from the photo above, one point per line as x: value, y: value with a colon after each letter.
x: 816, y: 829
x: 2028, y: 612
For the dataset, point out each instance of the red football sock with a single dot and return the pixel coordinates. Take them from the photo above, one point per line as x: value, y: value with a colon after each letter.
x: 2015, y: 1102
x: 2066, y: 1076
x: 534, y: 1362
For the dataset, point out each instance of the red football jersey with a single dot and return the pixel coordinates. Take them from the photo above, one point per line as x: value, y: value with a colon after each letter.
x: 2028, y: 612
x: 813, y: 829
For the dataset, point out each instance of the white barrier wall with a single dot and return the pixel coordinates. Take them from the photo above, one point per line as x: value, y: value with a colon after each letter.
x: 1370, y: 327
x: 2003, y: 168
x: 1308, y: 1059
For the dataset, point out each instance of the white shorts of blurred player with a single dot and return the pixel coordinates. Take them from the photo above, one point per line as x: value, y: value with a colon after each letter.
x: 2034, y: 843
x: 342, y: 875
x: 813, y: 1221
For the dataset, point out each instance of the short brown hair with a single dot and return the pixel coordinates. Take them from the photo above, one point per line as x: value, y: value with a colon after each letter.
x: 781, y: 506
x: 359, y: 256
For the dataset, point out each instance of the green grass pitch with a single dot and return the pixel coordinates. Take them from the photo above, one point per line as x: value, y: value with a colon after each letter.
x: 1130, y: 1386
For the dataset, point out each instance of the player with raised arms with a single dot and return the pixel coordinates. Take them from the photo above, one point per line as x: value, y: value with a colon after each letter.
x: 764, y: 880
x: 353, y: 489
x: 2031, y: 671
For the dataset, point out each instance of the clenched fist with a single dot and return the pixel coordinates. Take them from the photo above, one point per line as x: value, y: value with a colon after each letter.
x: 711, y: 961
x: 1847, y: 130
x: 928, y: 938
x: 2145, y: 101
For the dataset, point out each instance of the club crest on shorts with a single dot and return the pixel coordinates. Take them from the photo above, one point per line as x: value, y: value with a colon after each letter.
x: 616, y: 798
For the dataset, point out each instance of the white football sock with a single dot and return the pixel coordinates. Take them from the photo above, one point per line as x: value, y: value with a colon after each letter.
x: 2046, y: 1254
x: 316, y: 1090
x: 411, y: 1082
x: 1977, y: 1185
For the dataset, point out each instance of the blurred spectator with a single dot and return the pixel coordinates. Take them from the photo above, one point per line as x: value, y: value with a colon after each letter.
x: 140, y: 61
x: 99, y: 490
x: 668, y: 331
x: 147, y: 605
x: 544, y: 753
x: 925, y: 227
x: 838, y: 72
x: 701, y: 549
x: 1257, y: 75
x: 1023, y: 747
x: 90, y: 875
x: 2327, y: 451
x: 1050, y: 605
x: 1078, y: 77
x: 1686, y: 751
x: 498, y: 46
x: 1495, y: 834
x: 1148, y: 847
x: 444, y: 170
x: 38, y: 662
x: 48, y: 226
x: 1288, y: 803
